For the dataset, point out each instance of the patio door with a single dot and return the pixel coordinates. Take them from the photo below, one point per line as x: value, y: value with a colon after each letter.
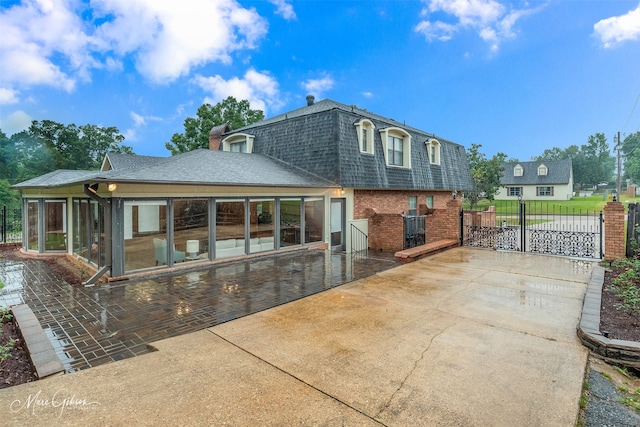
x: 337, y: 225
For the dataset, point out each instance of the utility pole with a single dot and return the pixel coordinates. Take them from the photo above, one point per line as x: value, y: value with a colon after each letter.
x: 619, y: 177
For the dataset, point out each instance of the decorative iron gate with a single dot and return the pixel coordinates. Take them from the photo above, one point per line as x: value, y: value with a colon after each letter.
x: 535, y: 227
x: 414, y: 234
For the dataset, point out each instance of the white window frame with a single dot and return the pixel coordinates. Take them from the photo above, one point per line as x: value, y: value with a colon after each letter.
x: 517, y: 170
x: 543, y: 170
x: 364, y: 129
x: 238, y: 138
x: 406, y: 145
x: 433, y: 151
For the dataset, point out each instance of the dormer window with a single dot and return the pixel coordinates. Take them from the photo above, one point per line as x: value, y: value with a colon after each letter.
x: 433, y: 149
x: 365, y: 128
x: 542, y: 170
x: 517, y: 170
x: 238, y: 143
x: 397, y: 147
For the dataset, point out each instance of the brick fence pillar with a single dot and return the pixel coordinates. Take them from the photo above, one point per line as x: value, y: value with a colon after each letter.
x: 614, y: 244
x: 444, y: 223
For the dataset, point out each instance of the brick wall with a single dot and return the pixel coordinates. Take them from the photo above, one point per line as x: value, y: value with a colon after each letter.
x: 386, y: 232
x: 444, y: 223
x: 614, y: 244
x: 384, y: 209
x: 392, y: 201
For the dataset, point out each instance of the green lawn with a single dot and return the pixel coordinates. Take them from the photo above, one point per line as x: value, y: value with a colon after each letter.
x: 591, y: 204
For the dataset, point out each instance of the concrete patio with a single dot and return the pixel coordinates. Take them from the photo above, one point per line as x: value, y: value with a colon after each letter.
x: 466, y: 337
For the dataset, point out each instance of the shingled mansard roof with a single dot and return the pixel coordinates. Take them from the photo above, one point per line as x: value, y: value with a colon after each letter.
x: 322, y: 138
x: 199, y: 167
x: 558, y: 172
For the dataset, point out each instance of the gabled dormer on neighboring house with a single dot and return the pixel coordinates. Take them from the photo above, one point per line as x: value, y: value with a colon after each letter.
x: 548, y: 180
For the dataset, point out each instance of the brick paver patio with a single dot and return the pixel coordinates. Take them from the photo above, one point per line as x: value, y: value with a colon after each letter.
x: 92, y: 326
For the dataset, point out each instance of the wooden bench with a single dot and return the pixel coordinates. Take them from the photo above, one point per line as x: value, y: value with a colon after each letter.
x: 414, y: 254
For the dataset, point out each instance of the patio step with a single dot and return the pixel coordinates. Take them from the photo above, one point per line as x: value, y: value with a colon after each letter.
x: 43, y: 357
x: 414, y: 254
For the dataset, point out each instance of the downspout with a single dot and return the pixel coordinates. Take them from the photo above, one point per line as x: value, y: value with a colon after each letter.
x: 106, y: 204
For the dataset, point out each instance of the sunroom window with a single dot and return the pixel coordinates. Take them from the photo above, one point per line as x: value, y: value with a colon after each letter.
x: 238, y: 143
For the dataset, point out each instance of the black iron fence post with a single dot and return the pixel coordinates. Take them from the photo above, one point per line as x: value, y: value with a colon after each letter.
x: 523, y: 224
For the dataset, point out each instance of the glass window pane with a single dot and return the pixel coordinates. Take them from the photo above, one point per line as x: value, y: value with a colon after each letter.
x: 313, y: 220
x: 261, y: 228
x: 229, y: 228
x: 290, y: 221
x: 55, y: 225
x: 145, y: 235
x: 191, y: 228
x: 32, y: 225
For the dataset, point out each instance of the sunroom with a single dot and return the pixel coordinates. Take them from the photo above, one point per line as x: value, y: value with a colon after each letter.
x: 142, y: 215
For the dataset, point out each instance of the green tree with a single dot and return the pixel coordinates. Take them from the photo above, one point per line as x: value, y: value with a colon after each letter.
x: 78, y: 147
x: 196, y: 129
x: 630, y: 149
x: 486, y: 174
x: 599, y: 164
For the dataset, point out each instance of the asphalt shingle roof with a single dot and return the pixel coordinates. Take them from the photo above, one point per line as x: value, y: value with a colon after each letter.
x: 322, y: 139
x: 200, y: 166
x: 558, y: 172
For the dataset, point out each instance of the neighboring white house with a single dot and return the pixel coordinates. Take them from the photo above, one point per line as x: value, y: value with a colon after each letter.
x: 546, y: 180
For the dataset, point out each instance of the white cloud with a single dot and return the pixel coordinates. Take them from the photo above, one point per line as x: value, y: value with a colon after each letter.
x: 260, y: 89
x: 317, y: 86
x: 33, y: 32
x: 168, y: 38
x: 284, y: 9
x: 15, y: 122
x: 52, y: 42
x: 8, y: 96
x: 492, y: 21
x: 618, y: 29
x: 367, y: 94
x: 138, y: 120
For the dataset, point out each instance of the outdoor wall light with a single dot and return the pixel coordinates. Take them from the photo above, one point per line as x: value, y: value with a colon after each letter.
x: 519, y: 197
x: 454, y: 193
x: 342, y: 191
x: 112, y: 186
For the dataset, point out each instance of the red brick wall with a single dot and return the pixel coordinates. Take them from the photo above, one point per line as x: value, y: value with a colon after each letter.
x: 614, y: 244
x: 385, y: 232
x: 384, y: 209
x: 444, y: 223
x: 393, y: 201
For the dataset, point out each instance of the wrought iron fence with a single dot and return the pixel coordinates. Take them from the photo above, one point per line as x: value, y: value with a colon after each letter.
x: 538, y: 227
x: 414, y: 231
x: 10, y: 225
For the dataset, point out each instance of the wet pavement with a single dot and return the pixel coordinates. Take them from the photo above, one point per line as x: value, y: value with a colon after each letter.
x: 467, y: 337
x: 92, y: 326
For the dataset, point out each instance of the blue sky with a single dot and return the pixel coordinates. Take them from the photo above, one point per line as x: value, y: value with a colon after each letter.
x: 514, y: 76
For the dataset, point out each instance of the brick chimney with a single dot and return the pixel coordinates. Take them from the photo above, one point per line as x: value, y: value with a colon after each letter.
x: 310, y: 99
x: 215, y: 136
